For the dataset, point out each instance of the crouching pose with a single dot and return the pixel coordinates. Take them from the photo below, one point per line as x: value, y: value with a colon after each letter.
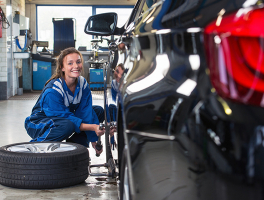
x: 64, y: 110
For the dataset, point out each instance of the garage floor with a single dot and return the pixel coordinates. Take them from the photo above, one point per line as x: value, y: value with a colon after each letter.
x: 12, y: 115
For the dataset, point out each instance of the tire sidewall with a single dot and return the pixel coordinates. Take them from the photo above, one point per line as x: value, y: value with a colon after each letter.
x: 79, y: 148
x: 29, y: 170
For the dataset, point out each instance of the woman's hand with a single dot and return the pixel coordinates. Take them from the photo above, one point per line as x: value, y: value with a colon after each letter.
x: 98, y: 131
x: 112, y: 131
x: 96, y: 151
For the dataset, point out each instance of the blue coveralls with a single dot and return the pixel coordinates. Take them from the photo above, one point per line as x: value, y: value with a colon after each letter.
x: 59, y: 113
x: 114, y: 89
x: 112, y: 107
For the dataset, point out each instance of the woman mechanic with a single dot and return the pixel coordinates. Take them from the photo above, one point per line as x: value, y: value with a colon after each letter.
x: 64, y: 110
x: 119, y: 70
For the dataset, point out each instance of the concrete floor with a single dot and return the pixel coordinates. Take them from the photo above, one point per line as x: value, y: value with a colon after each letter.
x: 12, y: 115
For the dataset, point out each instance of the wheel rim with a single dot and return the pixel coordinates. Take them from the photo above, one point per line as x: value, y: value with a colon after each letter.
x: 126, y: 185
x: 41, y: 148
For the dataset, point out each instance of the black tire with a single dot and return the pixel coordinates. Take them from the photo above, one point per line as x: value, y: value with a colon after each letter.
x: 124, y: 177
x: 43, y: 170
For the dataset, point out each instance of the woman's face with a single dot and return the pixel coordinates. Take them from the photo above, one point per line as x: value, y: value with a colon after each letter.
x: 118, y: 73
x: 72, y: 66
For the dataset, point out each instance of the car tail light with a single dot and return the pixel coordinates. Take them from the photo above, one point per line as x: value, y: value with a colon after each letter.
x: 234, y: 46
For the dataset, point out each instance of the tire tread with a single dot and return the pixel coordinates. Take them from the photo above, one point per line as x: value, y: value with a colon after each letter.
x: 43, y: 170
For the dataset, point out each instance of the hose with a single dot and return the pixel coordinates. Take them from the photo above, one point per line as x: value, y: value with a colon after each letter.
x: 3, y: 19
x: 18, y: 45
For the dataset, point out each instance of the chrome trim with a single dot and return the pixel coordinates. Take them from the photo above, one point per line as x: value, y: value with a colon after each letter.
x: 196, y: 110
x: 152, y: 135
x: 126, y: 184
x: 130, y: 173
x: 173, y: 111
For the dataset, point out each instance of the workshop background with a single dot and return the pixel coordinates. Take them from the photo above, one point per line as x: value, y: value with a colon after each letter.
x: 28, y: 32
x: 20, y: 15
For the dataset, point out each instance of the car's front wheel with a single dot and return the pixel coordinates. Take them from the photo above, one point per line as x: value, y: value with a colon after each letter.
x: 43, y: 165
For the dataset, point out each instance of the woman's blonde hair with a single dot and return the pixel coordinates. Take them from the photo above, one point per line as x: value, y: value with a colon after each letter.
x: 59, y: 62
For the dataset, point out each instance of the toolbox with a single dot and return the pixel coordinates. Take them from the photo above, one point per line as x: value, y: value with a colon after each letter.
x: 41, y: 74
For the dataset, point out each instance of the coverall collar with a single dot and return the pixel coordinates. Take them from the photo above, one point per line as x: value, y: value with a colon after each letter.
x: 77, y: 88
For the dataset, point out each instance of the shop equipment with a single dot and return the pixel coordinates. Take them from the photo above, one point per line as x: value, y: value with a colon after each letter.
x: 110, y: 163
x: 96, y: 78
x: 64, y: 34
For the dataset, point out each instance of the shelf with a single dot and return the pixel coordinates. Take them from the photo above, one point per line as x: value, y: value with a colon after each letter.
x: 21, y: 55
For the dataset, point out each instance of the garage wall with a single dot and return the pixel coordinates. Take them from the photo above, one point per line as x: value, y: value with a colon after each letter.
x: 83, y: 2
x: 31, y: 14
x: 3, y: 58
x: 8, y: 72
x: 31, y: 7
x: 18, y: 5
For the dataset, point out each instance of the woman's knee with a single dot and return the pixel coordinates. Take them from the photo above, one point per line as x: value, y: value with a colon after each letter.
x: 69, y: 126
x: 98, y: 109
x: 99, y: 112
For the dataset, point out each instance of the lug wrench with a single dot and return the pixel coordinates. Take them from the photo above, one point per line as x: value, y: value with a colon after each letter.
x: 99, y: 145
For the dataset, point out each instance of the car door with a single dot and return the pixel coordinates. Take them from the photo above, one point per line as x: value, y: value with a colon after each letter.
x: 151, y: 112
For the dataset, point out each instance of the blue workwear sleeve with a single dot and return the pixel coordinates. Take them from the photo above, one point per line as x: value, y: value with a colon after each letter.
x: 87, y: 114
x: 114, y: 90
x: 53, y: 106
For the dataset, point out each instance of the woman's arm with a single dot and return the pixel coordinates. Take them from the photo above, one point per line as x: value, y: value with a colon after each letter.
x: 52, y: 104
x: 92, y: 127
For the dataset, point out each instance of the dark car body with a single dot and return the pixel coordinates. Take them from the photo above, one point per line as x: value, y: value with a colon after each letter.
x: 190, y: 109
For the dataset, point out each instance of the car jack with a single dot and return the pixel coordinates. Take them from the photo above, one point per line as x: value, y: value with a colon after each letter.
x: 110, y: 164
x: 111, y: 169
